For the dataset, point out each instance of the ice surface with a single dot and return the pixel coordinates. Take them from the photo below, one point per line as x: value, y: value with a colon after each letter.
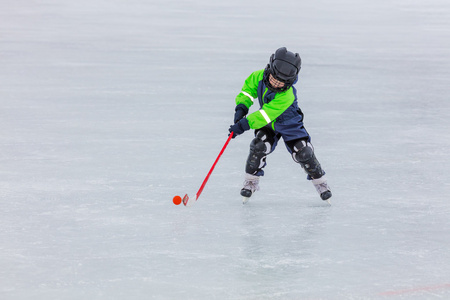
x: 111, y: 108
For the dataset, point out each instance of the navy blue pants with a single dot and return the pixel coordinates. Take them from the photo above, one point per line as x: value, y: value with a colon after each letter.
x: 291, y: 131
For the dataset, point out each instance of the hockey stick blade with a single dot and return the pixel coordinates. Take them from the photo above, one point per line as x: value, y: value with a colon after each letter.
x: 188, y: 201
x: 185, y: 199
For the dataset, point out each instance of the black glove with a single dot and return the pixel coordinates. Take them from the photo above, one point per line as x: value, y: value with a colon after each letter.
x: 239, y: 128
x: 240, y: 111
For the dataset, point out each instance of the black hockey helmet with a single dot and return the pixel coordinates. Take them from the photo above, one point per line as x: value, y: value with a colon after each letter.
x: 284, y: 66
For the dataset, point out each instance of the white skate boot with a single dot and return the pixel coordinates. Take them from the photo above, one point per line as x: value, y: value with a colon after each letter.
x: 322, y: 188
x: 251, y: 185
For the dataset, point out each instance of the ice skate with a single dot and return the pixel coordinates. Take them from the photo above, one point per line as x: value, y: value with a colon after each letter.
x: 251, y: 185
x: 322, y: 188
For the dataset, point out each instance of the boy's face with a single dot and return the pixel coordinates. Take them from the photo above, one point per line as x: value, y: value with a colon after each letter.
x: 275, y: 83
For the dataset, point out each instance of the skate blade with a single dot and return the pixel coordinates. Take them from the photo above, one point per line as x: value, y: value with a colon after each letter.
x: 245, y: 199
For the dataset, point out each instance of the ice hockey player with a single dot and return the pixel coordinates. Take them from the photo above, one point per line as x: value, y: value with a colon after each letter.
x: 278, y: 117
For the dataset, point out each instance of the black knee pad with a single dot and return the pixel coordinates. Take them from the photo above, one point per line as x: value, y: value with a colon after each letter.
x: 303, y: 153
x: 260, y: 146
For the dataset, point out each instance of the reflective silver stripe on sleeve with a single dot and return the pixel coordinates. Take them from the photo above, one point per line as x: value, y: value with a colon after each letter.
x: 248, y: 95
x: 264, y: 114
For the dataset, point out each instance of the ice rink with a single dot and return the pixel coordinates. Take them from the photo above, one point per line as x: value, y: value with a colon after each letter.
x: 108, y: 109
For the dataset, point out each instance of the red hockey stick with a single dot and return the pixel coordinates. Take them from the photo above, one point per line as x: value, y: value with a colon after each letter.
x: 186, y: 197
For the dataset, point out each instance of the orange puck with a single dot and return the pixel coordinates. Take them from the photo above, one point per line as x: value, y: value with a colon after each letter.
x: 177, y: 200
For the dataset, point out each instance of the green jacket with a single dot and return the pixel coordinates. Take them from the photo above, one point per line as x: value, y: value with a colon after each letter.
x: 273, y: 106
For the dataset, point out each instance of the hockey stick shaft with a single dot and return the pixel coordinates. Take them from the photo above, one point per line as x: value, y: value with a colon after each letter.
x: 200, y: 190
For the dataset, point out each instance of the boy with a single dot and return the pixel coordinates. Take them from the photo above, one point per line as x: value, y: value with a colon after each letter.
x: 279, y: 116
